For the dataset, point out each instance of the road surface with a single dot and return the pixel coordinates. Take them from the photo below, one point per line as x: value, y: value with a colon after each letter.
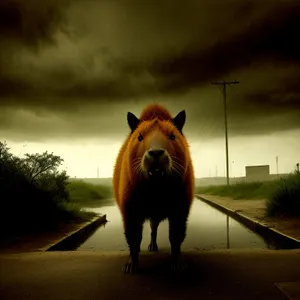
x: 86, y: 275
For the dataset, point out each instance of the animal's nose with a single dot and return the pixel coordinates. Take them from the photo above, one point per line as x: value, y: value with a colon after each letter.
x: 156, y: 153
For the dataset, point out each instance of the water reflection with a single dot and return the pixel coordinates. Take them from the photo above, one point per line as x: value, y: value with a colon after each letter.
x: 207, y: 229
x: 227, y: 227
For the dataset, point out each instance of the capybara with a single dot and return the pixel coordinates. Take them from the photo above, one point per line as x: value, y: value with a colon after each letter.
x: 154, y: 179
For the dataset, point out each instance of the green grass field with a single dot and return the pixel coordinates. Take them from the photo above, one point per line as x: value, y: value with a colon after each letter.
x: 282, y: 196
x: 253, y: 190
x: 83, y: 193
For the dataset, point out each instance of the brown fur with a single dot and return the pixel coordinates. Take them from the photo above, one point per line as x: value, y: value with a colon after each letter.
x: 138, y: 199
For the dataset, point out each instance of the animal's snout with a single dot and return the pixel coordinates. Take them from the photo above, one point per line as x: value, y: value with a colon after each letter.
x: 156, y: 162
x: 156, y: 153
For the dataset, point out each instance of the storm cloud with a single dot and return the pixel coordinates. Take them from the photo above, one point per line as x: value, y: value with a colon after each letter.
x: 72, y: 69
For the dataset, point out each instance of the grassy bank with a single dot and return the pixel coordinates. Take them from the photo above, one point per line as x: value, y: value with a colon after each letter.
x: 87, y: 194
x: 253, y: 190
x: 282, y: 196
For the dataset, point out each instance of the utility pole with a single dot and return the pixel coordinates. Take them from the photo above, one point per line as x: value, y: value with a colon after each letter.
x: 276, y: 157
x: 297, y: 167
x: 227, y: 227
x: 223, y: 85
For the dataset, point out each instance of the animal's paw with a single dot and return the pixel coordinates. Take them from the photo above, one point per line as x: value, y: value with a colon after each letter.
x: 130, y: 268
x: 179, y: 267
x: 153, y: 247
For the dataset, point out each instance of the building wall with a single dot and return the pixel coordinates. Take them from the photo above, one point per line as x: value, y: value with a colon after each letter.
x: 257, y: 173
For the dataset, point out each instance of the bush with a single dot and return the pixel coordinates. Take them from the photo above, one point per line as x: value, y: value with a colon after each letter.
x: 56, y: 185
x: 283, y: 195
x: 34, y: 194
x: 285, y: 199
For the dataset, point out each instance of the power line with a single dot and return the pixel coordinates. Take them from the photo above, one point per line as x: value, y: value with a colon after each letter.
x: 222, y: 85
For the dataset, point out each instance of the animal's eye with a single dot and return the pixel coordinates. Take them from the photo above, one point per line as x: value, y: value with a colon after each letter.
x: 172, y: 136
x: 140, y: 138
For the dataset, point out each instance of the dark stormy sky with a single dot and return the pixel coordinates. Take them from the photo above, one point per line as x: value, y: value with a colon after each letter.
x: 70, y: 70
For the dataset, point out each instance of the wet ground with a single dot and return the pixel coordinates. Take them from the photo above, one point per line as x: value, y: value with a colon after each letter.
x: 253, y: 273
x: 207, y: 229
x: 245, y: 274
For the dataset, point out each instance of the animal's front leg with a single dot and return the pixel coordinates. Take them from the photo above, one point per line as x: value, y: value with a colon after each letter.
x: 153, y: 244
x: 133, y: 234
x: 177, y: 233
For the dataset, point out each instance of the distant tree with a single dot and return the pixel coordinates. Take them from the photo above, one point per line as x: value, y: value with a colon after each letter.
x: 33, y: 192
x: 5, y: 156
x: 43, y: 170
x: 39, y: 169
x: 36, y: 164
x: 9, y: 164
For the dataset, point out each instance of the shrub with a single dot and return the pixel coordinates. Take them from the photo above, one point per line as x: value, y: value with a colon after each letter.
x: 282, y: 195
x: 285, y: 199
x: 34, y: 194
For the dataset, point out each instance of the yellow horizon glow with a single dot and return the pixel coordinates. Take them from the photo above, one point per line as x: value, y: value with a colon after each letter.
x: 82, y: 160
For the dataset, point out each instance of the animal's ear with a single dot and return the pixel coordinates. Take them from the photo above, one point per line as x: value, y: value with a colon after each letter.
x: 133, y: 121
x: 179, y: 120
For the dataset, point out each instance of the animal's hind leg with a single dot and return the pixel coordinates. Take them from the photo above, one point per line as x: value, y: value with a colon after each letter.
x: 153, y: 243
